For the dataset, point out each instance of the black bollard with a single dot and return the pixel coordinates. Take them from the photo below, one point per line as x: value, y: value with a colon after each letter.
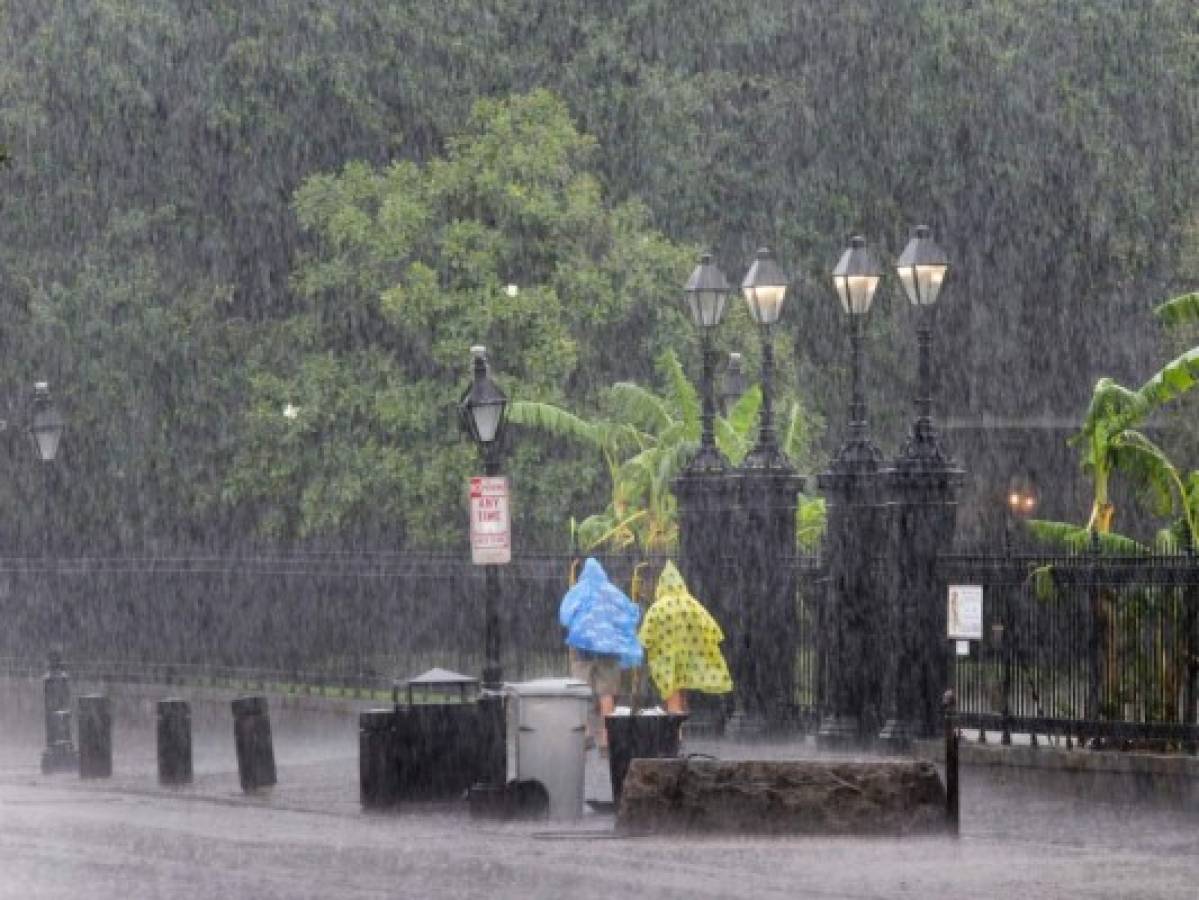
x: 378, y: 765
x: 59, y: 755
x: 95, y: 736
x: 174, y: 742
x: 252, y: 736
x: 952, y: 807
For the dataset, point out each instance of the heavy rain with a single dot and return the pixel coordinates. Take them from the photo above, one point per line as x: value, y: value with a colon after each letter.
x: 543, y: 449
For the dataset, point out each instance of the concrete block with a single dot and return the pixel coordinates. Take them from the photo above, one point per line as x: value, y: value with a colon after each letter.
x: 782, y: 797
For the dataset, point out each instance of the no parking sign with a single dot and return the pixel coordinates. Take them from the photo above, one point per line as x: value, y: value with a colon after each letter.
x: 490, y: 528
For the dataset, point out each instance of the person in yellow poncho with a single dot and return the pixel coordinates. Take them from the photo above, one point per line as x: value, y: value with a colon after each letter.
x: 682, y: 644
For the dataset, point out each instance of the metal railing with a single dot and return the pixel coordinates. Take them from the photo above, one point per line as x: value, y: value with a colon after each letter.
x: 1084, y: 648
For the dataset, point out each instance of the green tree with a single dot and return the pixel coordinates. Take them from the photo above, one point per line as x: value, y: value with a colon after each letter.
x: 505, y: 241
x: 1050, y: 145
x: 144, y: 448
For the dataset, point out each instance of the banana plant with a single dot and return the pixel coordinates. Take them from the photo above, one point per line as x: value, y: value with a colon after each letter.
x: 646, y: 440
x: 1182, y: 310
x: 1111, y: 442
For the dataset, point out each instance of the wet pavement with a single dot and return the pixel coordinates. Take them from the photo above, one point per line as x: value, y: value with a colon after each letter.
x: 126, y: 837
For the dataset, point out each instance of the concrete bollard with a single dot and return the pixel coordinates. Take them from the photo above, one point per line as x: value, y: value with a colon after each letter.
x: 59, y: 755
x: 378, y: 765
x: 252, y: 737
x: 95, y: 736
x: 174, y: 742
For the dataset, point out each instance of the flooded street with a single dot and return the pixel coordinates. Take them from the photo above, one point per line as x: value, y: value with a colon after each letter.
x: 128, y: 838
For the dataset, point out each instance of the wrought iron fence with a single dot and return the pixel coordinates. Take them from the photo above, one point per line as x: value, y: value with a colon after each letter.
x: 317, y: 623
x: 810, y: 583
x: 307, y: 618
x: 1083, y: 647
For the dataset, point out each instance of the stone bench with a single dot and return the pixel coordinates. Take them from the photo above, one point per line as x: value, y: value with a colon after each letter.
x: 783, y: 797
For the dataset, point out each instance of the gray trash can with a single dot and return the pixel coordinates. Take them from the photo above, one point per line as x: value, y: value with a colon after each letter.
x: 547, y: 721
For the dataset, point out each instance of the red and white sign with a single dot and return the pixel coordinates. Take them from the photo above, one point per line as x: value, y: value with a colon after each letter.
x: 490, y: 529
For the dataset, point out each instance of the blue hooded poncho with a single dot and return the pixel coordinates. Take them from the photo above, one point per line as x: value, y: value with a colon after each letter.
x: 600, y: 618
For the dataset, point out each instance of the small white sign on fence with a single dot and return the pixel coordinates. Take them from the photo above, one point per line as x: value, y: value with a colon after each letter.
x: 964, y: 618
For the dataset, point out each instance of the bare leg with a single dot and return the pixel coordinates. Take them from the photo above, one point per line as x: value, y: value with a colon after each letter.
x: 607, y: 706
x: 676, y: 703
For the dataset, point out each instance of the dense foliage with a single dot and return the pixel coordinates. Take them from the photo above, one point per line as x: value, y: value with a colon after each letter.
x: 211, y: 211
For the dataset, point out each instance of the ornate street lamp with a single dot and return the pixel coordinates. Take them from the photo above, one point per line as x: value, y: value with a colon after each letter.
x: 766, y: 488
x: 856, y: 277
x: 732, y: 383
x: 765, y: 288
x: 922, y: 268
x: 854, y: 530
x: 922, y: 484
x: 483, y: 410
x: 706, y: 291
x: 46, y: 426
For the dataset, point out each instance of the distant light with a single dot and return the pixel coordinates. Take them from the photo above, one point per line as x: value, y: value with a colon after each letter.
x: 512, y: 290
x: 290, y: 411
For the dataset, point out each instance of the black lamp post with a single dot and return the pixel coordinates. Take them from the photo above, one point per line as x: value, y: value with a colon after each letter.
x: 856, y: 277
x: 762, y: 649
x: 851, y: 621
x: 46, y: 426
x: 706, y: 291
x: 703, y: 489
x: 764, y: 288
x: 922, y: 268
x: 922, y: 481
x: 483, y: 410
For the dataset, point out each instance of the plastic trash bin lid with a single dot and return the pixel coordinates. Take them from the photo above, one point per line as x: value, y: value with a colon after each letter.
x: 440, y: 678
x: 550, y: 687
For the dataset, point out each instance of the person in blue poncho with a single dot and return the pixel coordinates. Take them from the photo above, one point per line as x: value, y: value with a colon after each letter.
x: 601, y: 632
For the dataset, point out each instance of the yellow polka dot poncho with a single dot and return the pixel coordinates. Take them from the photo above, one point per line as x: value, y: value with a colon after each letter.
x: 682, y: 641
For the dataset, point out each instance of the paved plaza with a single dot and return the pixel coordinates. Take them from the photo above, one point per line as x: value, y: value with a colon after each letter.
x: 126, y: 837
